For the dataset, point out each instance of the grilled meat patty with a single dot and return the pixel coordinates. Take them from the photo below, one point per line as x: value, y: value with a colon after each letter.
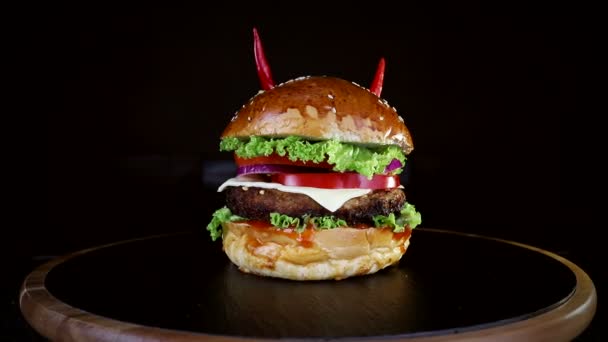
x: 258, y: 203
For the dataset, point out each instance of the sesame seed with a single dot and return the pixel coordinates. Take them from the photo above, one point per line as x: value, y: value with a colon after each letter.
x: 244, y: 188
x: 261, y: 192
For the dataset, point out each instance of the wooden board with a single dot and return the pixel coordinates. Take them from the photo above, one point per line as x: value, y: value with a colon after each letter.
x: 181, y: 287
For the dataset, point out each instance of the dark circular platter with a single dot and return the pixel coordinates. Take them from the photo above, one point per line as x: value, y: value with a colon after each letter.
x: 447, y: 285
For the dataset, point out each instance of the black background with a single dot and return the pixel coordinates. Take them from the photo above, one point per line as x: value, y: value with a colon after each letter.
x: 140, y: 95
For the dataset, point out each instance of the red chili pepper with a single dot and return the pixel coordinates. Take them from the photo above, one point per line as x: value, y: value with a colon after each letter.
x: 376, y: 87
x: 261, y: 63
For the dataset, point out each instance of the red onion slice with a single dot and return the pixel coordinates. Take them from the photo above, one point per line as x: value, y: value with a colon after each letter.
x: 393, y: 165
x: 268, y: 168
x: 279, y: 168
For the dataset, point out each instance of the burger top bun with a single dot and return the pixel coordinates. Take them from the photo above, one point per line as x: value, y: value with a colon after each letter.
x: 321, y: 108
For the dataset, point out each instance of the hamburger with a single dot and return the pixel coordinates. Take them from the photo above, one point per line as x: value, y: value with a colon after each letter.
x: 317, y: 193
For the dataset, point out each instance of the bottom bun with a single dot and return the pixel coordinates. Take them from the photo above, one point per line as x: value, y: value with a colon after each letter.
x: 314, y: 254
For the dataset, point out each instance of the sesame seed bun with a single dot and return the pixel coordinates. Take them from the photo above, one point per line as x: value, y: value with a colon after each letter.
x: 321, y: 108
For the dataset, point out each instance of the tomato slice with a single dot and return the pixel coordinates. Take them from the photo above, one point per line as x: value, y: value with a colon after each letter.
x: 277, y: 159
x: 336, y: 180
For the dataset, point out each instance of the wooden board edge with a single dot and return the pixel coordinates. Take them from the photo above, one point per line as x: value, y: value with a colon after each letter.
x: 59, y: 321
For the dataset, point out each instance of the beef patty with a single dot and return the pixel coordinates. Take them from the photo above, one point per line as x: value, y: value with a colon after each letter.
x: 258, y: 203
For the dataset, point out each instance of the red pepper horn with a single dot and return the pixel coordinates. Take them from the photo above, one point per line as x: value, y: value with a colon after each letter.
x: 261, y: 63
x: 376, y: 87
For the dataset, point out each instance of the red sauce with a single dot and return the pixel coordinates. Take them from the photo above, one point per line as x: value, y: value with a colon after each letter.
x: 253, y: 244
x: 304, y: 238
x: 258, y: 224
x: 404, y: 235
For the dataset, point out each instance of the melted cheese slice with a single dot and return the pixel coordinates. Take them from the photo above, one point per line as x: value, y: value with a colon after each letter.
x: 330, y: 199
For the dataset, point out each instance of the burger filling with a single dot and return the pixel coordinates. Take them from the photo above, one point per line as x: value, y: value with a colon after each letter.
x: 295, y: 184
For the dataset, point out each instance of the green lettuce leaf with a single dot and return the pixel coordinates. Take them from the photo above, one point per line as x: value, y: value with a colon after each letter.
x: 327, y: 222
x: 299, y: 224
x: 367, y: 161
x: 220, y: 216
x: 284, y: 221
x: 408, y: 216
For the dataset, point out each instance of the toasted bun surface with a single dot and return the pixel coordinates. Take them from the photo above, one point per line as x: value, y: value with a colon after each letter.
x: 321, y: 108
x: 326, y: 254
